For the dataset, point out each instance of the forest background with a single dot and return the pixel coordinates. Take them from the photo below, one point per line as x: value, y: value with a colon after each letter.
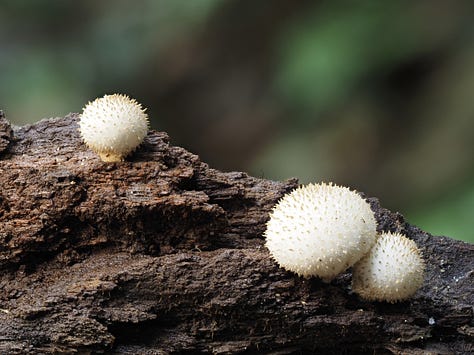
x: 374, y: 95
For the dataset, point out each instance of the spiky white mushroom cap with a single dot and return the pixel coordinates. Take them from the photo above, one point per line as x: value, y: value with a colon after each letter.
x: 392, y: 271
x: 320, y: 230
x: 113, y: 126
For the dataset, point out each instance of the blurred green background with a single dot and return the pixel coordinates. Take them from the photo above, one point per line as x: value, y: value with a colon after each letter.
x: 375, y: 95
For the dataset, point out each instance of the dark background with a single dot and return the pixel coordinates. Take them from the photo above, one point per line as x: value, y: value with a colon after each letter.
x: 370, y: 94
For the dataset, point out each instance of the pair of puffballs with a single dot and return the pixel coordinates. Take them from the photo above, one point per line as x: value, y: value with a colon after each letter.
x: 113, y: 126
x: 323, y: 229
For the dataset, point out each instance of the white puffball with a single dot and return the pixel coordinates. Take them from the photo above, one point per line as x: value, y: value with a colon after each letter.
x: 113, y: 126
x: 320, y: 230
x: 392, y: 271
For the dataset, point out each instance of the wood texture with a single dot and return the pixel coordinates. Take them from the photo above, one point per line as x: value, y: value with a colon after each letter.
x: 162, y: 254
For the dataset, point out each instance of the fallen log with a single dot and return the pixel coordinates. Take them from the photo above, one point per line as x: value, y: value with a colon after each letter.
x: 162, y: 254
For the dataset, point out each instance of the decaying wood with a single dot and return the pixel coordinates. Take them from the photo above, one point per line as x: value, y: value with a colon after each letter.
x: 162, y: 254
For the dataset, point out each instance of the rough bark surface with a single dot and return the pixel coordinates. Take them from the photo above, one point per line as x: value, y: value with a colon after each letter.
x: 162, y: 254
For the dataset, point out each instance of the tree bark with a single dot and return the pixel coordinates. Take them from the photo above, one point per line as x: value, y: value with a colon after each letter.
x: 162, y: 254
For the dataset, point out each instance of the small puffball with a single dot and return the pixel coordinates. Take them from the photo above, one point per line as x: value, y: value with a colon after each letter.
x: 113, y: 126
x: 320, y: 230
x: 392, y: 271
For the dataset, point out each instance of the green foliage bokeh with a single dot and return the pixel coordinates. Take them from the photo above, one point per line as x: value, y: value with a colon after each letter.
x: 373, y: 95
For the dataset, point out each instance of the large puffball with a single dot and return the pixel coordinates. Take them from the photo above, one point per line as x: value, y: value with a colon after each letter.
x: 392, y: 271
x: 113, y: 126
x: 320, y: 230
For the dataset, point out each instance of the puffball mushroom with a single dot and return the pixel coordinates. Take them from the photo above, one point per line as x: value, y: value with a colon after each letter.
x: 320, y: 230
x: 392, y: 271
x: 113, y: 126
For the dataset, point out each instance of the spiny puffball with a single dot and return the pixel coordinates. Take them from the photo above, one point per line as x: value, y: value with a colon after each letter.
x: 320, y: 230
x: 392, y: 271
x: 113, y: 126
